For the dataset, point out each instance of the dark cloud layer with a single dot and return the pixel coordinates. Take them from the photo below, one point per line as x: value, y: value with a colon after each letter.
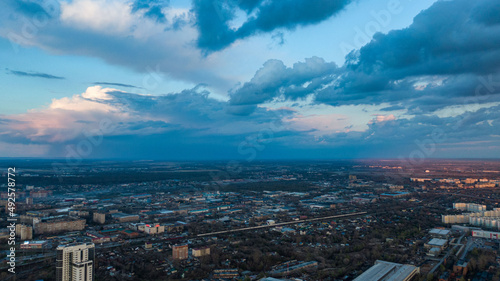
x: 191, y: 125
x: 115, y: 84
x: 439, y: 57
x: 436, y: 62
x: 213, y: 17
x: 33, y: 74
x: 274, y: 79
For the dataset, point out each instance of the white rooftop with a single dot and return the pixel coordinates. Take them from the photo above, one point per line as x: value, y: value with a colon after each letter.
x: 387, y: 271
x: 437, y: 231
x: 437, y: 242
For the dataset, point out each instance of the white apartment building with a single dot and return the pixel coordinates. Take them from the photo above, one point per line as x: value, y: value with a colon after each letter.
x: 75, y: 262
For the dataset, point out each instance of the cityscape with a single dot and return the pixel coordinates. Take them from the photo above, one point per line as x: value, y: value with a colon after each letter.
x: 281, y: 220
x: 250, y: 140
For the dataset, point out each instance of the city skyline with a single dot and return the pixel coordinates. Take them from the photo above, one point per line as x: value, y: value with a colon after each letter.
x: 203, y: 80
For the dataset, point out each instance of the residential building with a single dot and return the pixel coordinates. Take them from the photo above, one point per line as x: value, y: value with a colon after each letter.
x: 180, y: 252
x: 75, y: 262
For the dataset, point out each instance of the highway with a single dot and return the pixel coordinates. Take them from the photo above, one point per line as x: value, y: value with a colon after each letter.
x: 280, y: 224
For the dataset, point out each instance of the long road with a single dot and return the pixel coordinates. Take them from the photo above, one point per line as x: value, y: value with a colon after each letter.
x: 281, y: 224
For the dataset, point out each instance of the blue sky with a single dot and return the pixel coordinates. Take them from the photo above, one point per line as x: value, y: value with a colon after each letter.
x: 250, y: 79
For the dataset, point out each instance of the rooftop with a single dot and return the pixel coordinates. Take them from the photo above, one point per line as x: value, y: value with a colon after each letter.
x: 387, y: 271
x: 437, y: 231
x: 437, y: 242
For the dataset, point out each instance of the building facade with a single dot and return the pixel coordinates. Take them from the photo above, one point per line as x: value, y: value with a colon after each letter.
x: 75, y: 262
x: 25, y: 232
x: 99, y: 218
x: 56, y: 226
x: 200, y: 252
x: 180, y: 252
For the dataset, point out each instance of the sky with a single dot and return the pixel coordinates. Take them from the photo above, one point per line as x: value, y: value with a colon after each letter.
x: 250, y: 79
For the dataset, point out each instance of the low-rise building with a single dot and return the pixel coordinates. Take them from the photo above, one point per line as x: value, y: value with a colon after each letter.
x: 486, y: 234
x: 439, y: 233
x: 122, y: 217
x: 383, y: 270
x: 33, y: 245
x: 436, y: 243
x: 154, y: 228
x: 226, y: 273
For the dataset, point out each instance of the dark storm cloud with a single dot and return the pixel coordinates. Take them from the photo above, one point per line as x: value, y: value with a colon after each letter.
x: 213, y: 17
x: 183, y: 120
x: 33, y: 74
x: 436, y: 62
x: 456, y: 50
x: 275, y: 79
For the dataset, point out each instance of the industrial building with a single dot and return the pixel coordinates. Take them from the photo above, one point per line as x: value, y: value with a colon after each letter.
x: 75, y: 262
x: 436, y: 243
x: 388, y: 271
x: 486, y: 234
x: 292, y: 266
x: 439, y: 233
x: 398, y: 194
x: 122, y: 217
x: 33, y: 245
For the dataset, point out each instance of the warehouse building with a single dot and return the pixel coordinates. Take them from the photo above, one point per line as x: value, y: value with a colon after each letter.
x: 385, y: 271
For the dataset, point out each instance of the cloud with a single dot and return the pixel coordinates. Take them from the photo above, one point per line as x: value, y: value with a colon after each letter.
x: 116, y: 84
x: 113, y: 31
x: 188, y: 112
x: 274, y: 79
x: 319, y: 125
x: 423, y: 136
x: 438, y: 58
x: 33, y: 74
x: 153, y: 9
x: 382, y: 118
x: 213, y: 18
x: 112, y: 16
x: 435, y: 63
x: 191, y: 125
